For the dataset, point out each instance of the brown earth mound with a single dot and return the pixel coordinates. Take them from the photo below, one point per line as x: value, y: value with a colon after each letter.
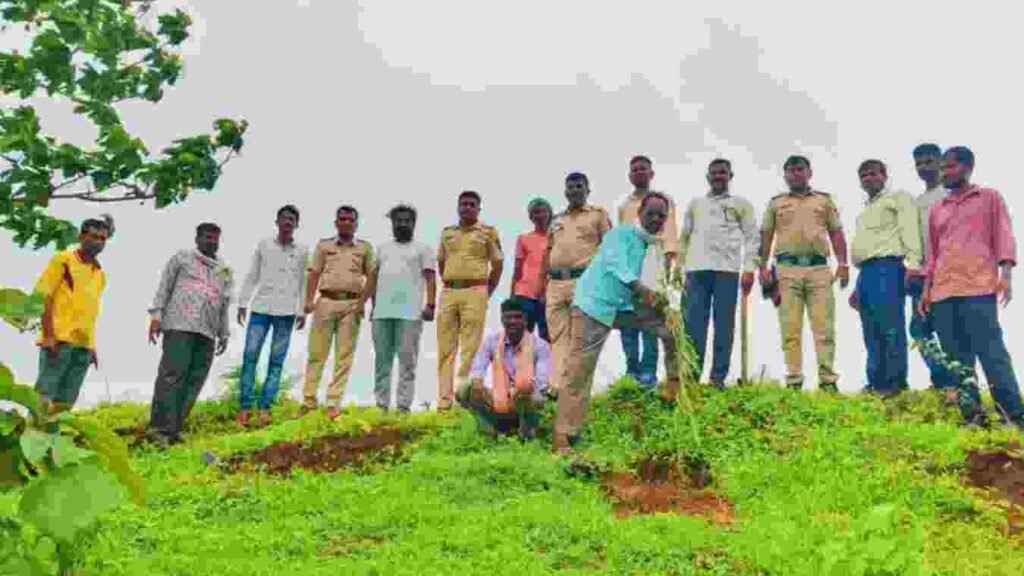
x: 658, y: 486
x: 1004, y: 473
x: 322, y: 454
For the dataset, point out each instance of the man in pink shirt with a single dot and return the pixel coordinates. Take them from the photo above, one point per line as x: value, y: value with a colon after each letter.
x: 971, y: 256
x: 527, y: 284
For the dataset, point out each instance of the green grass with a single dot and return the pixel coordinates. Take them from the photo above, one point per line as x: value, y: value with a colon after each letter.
x: 820, y: 485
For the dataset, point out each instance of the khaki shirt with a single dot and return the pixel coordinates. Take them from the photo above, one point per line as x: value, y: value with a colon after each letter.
x: 669, y: 236
x: 801, y: 222
x: 574, y: 237
x: 467, y: 252
x: 343, y: 266
x: 888, y: 226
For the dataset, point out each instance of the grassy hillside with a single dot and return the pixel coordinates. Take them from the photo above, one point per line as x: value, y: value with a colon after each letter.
x: 796, y: 484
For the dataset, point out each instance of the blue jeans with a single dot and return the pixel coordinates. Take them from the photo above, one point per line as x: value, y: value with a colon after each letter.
x: 255, y: 334
x: 922, y: 328
x: 712, y: 293
x: 645, y: 369
x: 968, y: 328
x: 882, y: 296
x: 536, y: 315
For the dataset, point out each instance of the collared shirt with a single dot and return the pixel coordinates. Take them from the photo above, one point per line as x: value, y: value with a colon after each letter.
x: 575, y: 236
x: 342, y: 265
x: 76, y: 287
x: 277, y: 274
x: 667, y: 241
x: 469, y: 252
x: 400, y: 282
x: 924, y: 203
x: 530, y: 249
x: 717, y: 228
x: 970, y: 234
x: 194, y: 295
x: 603, y: 290
x: 484, y: 357
x: 888, y: 226
x: 801, y: 222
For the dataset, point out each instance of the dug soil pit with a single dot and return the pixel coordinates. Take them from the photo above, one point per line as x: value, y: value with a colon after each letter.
x: 1004, y: 473
x: 321, y: 454
x: 660, y: 487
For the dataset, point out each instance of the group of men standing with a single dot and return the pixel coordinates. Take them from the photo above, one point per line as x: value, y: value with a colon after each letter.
x: 576, y: 278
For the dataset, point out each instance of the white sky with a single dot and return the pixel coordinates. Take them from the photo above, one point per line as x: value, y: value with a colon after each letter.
x: 387, y: 101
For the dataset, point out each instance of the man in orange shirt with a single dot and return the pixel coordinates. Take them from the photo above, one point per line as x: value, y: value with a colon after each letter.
x: 527, y: 282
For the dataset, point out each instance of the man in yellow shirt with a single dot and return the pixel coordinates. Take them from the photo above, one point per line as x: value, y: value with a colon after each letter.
x: 886, y: 249
x: 72, y: 285
x: 470, y: 261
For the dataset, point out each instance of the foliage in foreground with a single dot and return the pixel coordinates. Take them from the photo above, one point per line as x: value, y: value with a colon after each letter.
x: 820, y: 484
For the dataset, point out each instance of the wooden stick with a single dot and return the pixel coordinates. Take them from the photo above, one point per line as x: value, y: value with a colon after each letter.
x: 744, y: 339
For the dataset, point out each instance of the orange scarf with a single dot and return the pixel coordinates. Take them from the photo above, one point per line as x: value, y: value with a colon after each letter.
x: 524, y: 372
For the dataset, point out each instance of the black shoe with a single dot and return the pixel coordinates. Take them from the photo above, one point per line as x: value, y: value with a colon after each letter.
x: 977, y: 421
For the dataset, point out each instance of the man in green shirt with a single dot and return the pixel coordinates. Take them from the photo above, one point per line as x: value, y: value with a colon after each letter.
x: 886, y: 246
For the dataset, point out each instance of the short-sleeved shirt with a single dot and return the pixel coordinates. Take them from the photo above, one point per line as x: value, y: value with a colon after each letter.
x: 575, y: 236
x: 341, y: 265
x: 530, y: 248
x: 468, y: 252
x: 801, y: 222
x: 76, y: 287
x: 604, y: 289
x: 400, y: 281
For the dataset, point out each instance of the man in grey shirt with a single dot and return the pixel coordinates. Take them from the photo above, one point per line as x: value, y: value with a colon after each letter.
x: 190, y: 309
x: 277, y: 276
x: 927, y: 161
x: 405, y: 268
x: 719, y: 239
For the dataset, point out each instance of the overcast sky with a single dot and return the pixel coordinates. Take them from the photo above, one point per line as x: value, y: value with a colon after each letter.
x: 373, y: 103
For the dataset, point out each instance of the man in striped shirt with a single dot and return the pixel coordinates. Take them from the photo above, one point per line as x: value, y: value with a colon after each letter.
x: 277, y: 277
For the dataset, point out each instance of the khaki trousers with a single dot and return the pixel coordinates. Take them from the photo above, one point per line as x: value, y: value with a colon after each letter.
x: 559, y: 307
x: 460, y: 329
x: 810, y: 289
x: 337, y: 321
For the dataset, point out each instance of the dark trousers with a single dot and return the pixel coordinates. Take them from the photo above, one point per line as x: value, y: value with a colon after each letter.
x: 922, y: 328
x: 643, y: 368
x: 712, y: 295
x: 882, y: 297
x: 185, y: 363
x: 536, y: 315
x: 968, y: 328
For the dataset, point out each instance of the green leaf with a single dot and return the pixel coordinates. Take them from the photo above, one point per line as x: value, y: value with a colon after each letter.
x: 9, y: 421
x: 19, y: 394
x: 35, y: 444
x: 65, y: 452
x: 112, y: 451
x: 10, y: 471
x: 70, y: 499
x: 6, y: 376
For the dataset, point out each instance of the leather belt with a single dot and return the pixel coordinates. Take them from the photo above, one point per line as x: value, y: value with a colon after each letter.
x: 460, y: 284
x: 565, y: 273
x: 338, y: 295
x: 801, y: 260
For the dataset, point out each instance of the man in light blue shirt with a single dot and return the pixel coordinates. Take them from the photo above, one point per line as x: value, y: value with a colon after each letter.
x: 609, y: 295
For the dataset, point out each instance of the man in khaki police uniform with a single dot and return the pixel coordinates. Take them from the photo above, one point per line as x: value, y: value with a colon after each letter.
x: 339, y: 272
x: 470, y: 261
x: 803, y: 222
x: 573, y: 240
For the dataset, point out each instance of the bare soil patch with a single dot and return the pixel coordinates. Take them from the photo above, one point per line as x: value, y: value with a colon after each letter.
x: 1003, y: 473
x: 323, y: 454
x: 660, y: 487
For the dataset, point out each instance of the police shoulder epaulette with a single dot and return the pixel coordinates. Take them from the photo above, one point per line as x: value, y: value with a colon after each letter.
x: 822, y: 192
x: 452, y: 227
x: 328, y: 239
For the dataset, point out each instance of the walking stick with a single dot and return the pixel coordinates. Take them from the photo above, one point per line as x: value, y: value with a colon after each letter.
x: 744, y: 339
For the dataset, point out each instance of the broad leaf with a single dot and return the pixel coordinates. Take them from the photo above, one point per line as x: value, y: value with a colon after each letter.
x: 35, y: 444
x: 10, y: 472
x: 70, y: 499
x: 19, y: 394
x: 9, y: 422
x: 112, y: 452
x: 6, y: 376
x: 66, y: 453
